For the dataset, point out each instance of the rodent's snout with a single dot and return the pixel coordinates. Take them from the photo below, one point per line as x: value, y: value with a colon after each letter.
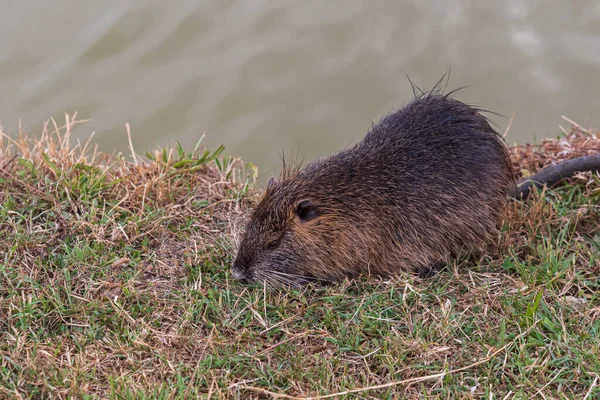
x: 239, y: 271
x: 237, y: 274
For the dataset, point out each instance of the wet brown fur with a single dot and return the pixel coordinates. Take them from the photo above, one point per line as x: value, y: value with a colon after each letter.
x: 426, y: 184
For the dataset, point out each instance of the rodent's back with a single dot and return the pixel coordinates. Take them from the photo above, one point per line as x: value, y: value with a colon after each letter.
x: 427, y: 182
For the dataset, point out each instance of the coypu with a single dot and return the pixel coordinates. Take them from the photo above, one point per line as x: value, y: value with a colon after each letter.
x: 425, y: 185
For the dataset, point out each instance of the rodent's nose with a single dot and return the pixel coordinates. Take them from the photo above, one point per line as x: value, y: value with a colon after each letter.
x: 239, y: 269
x: 239, y: 275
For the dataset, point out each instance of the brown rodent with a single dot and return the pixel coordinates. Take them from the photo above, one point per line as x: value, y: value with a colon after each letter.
x: 426, y: 184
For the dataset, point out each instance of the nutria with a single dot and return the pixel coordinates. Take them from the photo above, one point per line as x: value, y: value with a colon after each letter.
x: 426, y: 184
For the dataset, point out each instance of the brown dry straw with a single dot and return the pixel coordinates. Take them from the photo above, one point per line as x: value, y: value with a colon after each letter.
x: 403, y: 382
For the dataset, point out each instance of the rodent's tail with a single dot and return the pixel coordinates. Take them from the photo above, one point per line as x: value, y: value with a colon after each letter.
x: 553, y: 174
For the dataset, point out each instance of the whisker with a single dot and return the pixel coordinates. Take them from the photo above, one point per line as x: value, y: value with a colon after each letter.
x: 266, y: 279
x: 286, y: 274
x: 292, y: 282
x: 280, y: 279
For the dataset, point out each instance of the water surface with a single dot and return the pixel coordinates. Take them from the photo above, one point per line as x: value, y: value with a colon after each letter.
x: 265, y: 77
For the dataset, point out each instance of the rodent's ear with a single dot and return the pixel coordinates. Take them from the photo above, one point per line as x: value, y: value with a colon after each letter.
x: 271, y: 183
x: 306, y: 210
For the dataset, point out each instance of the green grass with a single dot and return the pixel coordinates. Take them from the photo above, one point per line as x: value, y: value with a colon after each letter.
x: 115, y: 283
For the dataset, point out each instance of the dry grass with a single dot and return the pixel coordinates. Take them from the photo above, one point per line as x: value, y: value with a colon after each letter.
x: 114, y: 283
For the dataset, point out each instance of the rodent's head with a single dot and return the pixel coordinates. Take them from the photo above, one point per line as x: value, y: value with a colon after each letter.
x: 287, y: 238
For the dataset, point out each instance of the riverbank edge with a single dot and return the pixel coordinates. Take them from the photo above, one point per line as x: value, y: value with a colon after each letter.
x: 114, y: 283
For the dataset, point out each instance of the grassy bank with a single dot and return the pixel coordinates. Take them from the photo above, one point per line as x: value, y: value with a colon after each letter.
x: 114, y: 283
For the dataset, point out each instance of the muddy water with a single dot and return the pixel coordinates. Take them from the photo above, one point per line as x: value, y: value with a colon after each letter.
x: 272, y: 76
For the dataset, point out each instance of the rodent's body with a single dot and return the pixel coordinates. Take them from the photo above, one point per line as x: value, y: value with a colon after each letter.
x: 426, y: 184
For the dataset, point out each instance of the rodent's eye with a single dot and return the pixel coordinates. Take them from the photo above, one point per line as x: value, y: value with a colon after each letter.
x: 272, y: 244
x: 306, y: 210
